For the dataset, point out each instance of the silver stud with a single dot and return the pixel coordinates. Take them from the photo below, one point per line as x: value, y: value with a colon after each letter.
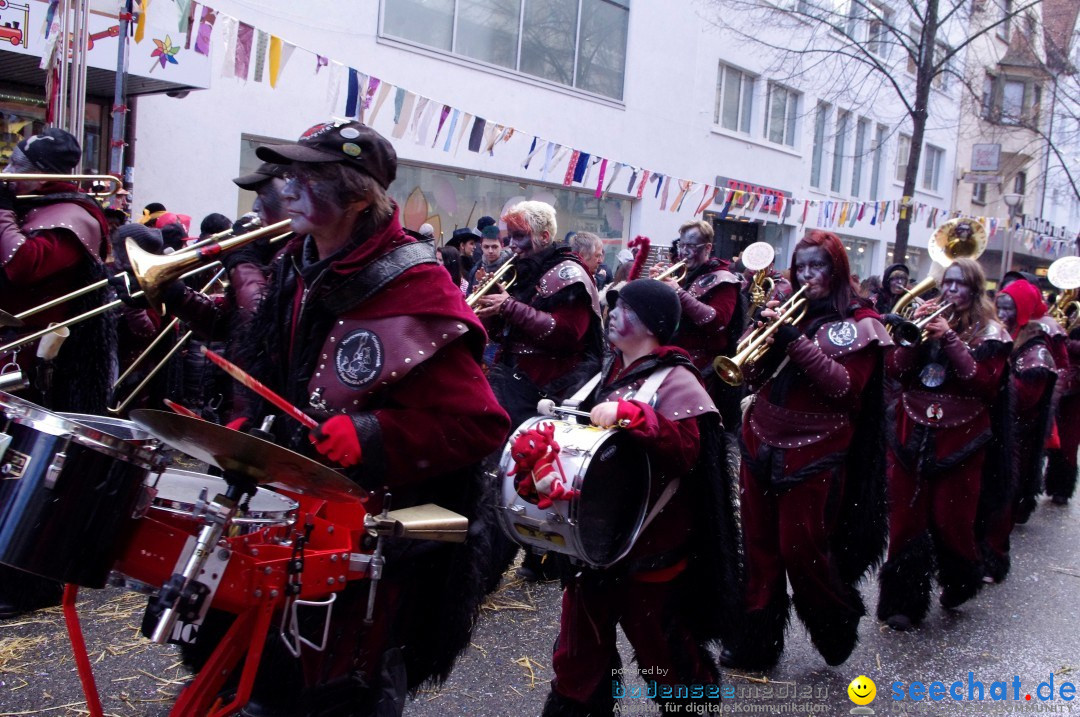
x: 317, y: 375
x: 393, y: 374
x: 408, y: 360
x: 322, y: 365
x: 445, y: 336
x: 420, y: 352
x: 324, y: 358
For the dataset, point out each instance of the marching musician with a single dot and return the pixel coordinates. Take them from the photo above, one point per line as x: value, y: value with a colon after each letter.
x: 952, y: 385
x: 1061, y: 461
x: 492, y: 256
x: 894, y: 284
x: 52, y: 243
x: 711, y: 314
x: 360, y: 326
x: 1033, y: 373
x: 812, y: 480
x: 677, y: 581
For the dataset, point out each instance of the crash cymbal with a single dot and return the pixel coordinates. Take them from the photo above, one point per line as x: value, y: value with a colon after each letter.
x: 7, y: 319
x: 231, y: 450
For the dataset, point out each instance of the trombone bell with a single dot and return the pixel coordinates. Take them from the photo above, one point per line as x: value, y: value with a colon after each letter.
x: 107, y: 179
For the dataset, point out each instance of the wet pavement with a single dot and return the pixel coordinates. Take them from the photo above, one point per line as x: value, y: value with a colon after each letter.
x: 1026, y: 629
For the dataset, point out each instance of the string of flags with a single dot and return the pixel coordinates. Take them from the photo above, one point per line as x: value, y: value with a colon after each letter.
x: 252, y: 54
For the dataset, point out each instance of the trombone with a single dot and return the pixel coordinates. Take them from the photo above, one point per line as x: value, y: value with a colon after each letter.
x: 117, y: 185
x: 754, y: 345
x: 679, y: 266
x: 16, y: 320
x: 489, y: 283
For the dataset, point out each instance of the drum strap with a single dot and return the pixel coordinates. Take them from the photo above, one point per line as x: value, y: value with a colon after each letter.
x: 669, y: 491
x: 645, y: 394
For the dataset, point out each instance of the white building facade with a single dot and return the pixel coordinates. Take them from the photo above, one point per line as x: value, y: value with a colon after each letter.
x: 488, y: 103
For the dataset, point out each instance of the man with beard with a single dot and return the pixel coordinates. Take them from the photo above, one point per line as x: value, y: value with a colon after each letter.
x: 712, y: 315
x: 943, y: 449
x: 675, y: 587
x: 812, y: 476
x: 52, y: 243
x: 548, y: 326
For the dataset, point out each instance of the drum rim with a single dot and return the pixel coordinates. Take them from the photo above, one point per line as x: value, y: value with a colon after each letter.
x: 83, y: 419
x: 287, y: 516
x: 28, y: 414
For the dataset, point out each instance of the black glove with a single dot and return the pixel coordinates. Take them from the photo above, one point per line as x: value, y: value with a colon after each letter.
x: 892, y: 319
x: 784, y: 336
x: 124, y: 286
x: 7, y: 197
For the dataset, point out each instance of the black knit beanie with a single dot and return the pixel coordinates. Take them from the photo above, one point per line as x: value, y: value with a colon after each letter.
x: 655, y: 303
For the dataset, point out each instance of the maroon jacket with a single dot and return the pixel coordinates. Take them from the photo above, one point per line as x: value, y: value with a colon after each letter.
x: 709, y: 300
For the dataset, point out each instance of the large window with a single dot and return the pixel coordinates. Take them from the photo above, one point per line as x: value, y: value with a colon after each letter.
x: 1011, y: 100
x: 839, y: 149
x: 879, y: 25
x: 903, y: 151
x: 862, y: 129
x: 783, y: 108
x: 734, y: 98
x: 879, y: 159
x: 933, y: 158
x: 578, y: 43
x: 821, y: 116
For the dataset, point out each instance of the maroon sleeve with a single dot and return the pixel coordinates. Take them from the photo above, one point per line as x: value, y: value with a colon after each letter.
x: 207, y: 316
x: 900, y: 361
x: 44, y: 253
x: 674, y: 444
x: 140, y: 322
x: 1030, y: 388
x: 441, y: 417
x: 249, y: 286
x: 843, y: 380
x: 561, y: 329
x: 981, y: 376
x: 715, y: 312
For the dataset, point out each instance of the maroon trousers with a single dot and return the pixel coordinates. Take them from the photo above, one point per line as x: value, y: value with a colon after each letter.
x: 586, y: 652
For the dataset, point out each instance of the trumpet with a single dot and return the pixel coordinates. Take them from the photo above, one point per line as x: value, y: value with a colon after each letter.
x: 489, y: 283
x: 754, y: 345
x: 117, y: 185
x: 679, y: 266
x: 910, y: 333
x: 905, y: 306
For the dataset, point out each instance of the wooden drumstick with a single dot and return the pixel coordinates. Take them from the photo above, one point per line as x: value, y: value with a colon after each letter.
x: 257, y: 386
x: 182, y: 410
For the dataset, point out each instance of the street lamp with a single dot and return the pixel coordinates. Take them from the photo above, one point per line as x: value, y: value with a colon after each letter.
x: 1015, y: 203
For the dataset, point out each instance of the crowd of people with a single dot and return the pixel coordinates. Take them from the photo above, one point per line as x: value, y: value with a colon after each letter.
x: 857, y: 451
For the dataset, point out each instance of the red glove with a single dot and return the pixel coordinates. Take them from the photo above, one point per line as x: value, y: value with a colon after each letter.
x: 237, y: 424
x: 337, y: 440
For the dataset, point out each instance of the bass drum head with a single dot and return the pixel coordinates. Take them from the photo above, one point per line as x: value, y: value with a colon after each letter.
x: 613, y: 500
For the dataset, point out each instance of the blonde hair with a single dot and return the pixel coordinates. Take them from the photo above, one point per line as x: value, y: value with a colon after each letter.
x: 702, y: 226
x: 535, y: 217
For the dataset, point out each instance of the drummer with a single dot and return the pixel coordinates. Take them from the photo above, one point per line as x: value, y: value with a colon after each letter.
x: 51, y: 243
x: 360, y: 328
x: 691, y: 540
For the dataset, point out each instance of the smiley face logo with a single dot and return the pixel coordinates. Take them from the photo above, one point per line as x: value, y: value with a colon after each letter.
x: 862, y: 690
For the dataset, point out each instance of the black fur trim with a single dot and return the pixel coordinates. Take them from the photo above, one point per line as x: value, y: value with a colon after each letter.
x: 834, y: 633
x: 995, y: 567
x: 558, y: 705
x: 904, y: 582
x: 760, y: 639
x: 960, y: 579
x: 1060, y: 476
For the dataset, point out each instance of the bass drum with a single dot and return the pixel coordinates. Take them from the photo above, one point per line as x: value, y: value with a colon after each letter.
x: 598, y: 526
x: 68, y: 490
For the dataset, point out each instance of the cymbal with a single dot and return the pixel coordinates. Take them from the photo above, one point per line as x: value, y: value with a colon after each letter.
x: 231, y: 450
x: 7, y: 319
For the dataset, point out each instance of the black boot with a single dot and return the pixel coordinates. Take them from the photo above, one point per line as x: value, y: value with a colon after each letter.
x: 1060, y: 478
x: 960, y: 579
x: 22, y: 592
x: 761, y: 639
x: 836, y: 632
x: 537, y: 567
x: 904, y: 582
x: 601, y: 705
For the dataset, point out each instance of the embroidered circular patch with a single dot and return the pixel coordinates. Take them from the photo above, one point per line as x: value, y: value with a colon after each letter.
x: 842, y: 333
x: 351, y: 149
x: 932, y: 375
x: 568, y: 272
x: 707, y: 281
x: 359, y: 358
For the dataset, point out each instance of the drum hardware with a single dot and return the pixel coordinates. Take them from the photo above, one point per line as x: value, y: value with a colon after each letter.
x: 52, y: 473
x: 12, y: 381
x: 547, y: 407
x: 290, y: 625
x: 375, y: 568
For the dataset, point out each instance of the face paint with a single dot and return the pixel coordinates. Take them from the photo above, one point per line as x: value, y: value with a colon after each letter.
x: 814, y: 269
x: 955, y: 290
x: 314, y: 208
x: 520, y: 234
x: 268, y: 204
x: 693, y: 249
x: 1006, y: 310
x: 623, y: 323
x: 897, y: 283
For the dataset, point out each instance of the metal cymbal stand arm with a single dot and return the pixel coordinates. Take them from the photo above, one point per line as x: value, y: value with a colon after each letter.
x: 376, y: 567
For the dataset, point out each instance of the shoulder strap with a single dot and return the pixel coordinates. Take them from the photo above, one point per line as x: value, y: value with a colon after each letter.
x: 647, y: 392
x: 370, y: 280
x: 582, y: 393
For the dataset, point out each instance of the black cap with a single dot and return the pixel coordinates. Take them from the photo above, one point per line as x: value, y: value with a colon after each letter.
x: 264, y: 173
x: 460, y: 236
x: 655, y: 303
x: 352, y: 143
x: 485, y: 221
x: 53, y: 151
x: 491, y: 231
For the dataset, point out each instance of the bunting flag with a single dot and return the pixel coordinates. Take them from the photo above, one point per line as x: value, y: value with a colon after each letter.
x: 280, y: 54
x: 187, y: 25
x: 384, y: 92
x: 465, y: 123
x: 729, y: 197
x: 369, y: 95
x: 245, y: 36
x: 632, y: 182
x: 425, y: 123
x: 707, y: 199
x: 337, y: 70
x: 140, y: 24
x: 443, y: 114
x: 685, y: 187
x: 600, y: 182
x: 450, y: 131
x: 262, y: 43
x: 417, y: 114
x: 320, y: 62
x: 574, y: 158
x: 644, y: 179
x: 228, y: 66
x: 664, y: 195
x: 614, y: 176
x: 352, y: 94
x: 659, y: 179
x: 536, y: 146
x: 549, y: 157
x: 476, y: 137
x: 580, y: 167
x: 185, y: 14
x: 805, y: 208
x: 403, y: 112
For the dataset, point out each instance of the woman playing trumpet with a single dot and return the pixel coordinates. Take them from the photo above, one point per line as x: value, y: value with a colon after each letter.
x: 813, y: 425
x: 949, y: 383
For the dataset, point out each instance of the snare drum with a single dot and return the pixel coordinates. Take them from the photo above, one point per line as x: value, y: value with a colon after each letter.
x: 68, y: 490
x: 172, y: 521
x: 600, y: 525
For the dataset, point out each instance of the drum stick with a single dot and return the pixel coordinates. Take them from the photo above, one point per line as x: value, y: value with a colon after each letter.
x: 247, y: 380
x: 182, y: 410
x: 547, y: 407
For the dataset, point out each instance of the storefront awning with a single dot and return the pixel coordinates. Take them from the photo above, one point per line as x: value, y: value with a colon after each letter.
x: 23, y: 70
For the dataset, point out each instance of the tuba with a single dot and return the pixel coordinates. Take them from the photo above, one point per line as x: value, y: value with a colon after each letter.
x: 758, y: 257
x: 1064, y: 274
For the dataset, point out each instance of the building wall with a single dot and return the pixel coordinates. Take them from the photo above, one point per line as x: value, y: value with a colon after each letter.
x: 188, y: 149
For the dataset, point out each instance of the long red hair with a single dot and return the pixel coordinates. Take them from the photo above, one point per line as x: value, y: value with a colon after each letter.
x: 842, y: 288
